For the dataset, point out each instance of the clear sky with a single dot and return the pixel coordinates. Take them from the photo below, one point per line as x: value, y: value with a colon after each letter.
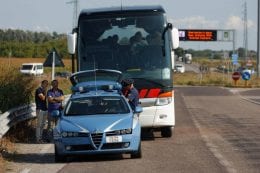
x: 57, y: 15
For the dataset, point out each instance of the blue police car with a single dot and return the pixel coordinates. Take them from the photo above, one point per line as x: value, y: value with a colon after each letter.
x: 97, y: 118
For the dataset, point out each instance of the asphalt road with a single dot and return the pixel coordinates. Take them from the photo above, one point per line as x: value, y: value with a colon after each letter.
x: 217, y: 130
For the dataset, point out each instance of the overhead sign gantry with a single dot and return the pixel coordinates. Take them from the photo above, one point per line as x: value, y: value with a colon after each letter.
x: 197, y: 35
x: 225, y: 35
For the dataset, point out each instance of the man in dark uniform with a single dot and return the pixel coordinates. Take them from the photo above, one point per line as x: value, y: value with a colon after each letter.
x: 41, y: 109
x: 130, y: 92
x: 55, y: 98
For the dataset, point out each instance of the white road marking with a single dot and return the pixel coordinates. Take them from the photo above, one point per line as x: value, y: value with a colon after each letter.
x: 44, y: 149
x: 214, y: 149
x: 26, y: 170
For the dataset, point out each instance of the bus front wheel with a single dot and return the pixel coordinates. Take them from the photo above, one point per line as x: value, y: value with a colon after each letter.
x: 166, y: 132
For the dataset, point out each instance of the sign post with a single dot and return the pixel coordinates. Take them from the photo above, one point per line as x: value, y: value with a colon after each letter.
x: 235, y: 77
x: 53, y: 66
x: 235, y: 59
x: 246, y: 76
x: 53, y: 60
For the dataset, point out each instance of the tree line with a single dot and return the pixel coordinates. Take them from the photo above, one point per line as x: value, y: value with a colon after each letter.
x: 207, y: 53
x: 29, y: 44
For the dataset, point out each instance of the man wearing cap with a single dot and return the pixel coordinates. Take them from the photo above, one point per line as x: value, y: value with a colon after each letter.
x: 130, y: 92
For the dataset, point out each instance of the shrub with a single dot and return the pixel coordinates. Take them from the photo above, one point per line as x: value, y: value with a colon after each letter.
x: 15, y: 89
x: 2, y: 163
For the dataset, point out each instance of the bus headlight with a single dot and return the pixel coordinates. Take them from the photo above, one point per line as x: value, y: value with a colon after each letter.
x: 163, y: 101
x: 164, y: 98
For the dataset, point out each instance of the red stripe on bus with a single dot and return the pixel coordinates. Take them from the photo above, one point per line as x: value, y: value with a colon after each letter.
x: 143, y: 93
x: 153, y: 93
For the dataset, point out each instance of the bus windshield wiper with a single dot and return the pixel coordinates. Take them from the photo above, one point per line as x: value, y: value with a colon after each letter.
x: 151, y: 81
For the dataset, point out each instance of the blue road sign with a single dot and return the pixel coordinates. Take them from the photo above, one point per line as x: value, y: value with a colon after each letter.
x: 246, y: 75
x: 235, y: 58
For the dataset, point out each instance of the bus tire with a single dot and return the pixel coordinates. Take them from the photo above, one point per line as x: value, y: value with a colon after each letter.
x: 166, y: 132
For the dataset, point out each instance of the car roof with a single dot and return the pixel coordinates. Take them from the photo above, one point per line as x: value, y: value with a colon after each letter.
x: 98, y: 93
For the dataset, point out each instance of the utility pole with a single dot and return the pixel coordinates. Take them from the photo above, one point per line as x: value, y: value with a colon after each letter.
x: 75, y: 12
x: 74, y: 25
x: 258, y: 40
x: 245, y: 42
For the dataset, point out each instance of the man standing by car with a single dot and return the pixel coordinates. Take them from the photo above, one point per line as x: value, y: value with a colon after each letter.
x: 130, y: 92
x: 55, y: 99
x: 41, y: 109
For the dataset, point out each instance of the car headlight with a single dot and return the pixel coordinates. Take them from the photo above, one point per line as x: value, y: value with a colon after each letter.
x: 120, y: 132
x: 128, y: 131
x: 64, y: 134
x: 73, y: 134
x: 117, y: 132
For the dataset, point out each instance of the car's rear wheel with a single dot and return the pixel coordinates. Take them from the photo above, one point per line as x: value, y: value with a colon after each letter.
x: 166, y: 132
x: 138, y: 153
x: 59, y: 158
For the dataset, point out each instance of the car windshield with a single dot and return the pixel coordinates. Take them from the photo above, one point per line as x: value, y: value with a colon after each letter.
x: 96, y: 105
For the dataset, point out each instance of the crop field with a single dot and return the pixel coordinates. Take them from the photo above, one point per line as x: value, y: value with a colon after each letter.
x: 15, y: 64
x: 215, y: 77
x: 188, y: 78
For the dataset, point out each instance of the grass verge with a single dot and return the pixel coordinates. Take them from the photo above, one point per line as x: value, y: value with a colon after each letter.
x: 214, y: 79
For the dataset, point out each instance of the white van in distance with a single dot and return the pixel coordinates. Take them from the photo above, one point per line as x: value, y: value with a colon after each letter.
x: 32, y: 68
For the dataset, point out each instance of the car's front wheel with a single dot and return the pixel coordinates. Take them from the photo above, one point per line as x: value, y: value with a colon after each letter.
x: 138, y: 153
x: 59, y: 158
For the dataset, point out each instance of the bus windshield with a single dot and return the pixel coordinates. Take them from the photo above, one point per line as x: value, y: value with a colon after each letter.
x: 134, y: 45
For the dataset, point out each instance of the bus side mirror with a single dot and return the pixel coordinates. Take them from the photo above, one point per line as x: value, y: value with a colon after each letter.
x: 175, y: 38
x: 71, y: 40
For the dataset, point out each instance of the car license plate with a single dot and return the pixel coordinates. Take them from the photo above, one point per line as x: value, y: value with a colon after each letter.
x: 112, y: 139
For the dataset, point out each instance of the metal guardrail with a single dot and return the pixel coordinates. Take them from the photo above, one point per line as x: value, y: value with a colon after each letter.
x: 15, y: 115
